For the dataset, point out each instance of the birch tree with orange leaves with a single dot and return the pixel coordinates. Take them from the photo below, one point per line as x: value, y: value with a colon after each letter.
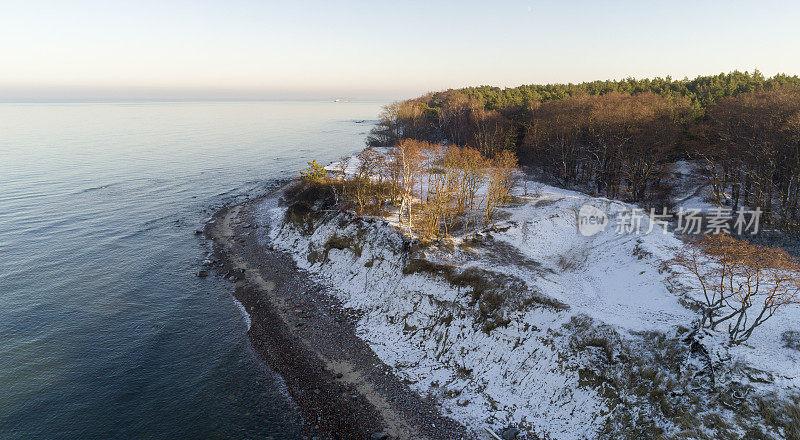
x: 501, y: 181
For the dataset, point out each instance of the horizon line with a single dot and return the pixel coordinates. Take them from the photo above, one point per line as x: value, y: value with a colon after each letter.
x: 197, y: 99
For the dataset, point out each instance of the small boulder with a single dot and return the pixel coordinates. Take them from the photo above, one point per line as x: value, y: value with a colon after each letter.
x: 379, y: 436
x: 509, y: 433
x: 202, y: 273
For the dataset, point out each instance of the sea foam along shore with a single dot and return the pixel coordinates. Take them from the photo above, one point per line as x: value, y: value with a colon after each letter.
x: 520, y: 323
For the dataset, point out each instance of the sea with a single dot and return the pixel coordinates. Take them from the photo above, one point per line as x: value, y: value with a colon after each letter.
x: 106, y: 332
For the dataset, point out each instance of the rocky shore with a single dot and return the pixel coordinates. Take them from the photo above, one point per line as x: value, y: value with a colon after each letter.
x: 303, y: 333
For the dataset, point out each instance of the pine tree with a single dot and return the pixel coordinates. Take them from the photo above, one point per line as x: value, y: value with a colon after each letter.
x: 315, y: 173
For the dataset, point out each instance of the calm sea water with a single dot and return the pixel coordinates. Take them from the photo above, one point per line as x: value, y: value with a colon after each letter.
x: 105, y: 332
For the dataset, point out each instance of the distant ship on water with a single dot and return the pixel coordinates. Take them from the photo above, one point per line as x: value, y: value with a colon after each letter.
x: 341, y: 100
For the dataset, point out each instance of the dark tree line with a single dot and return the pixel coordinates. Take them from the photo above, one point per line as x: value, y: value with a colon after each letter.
x: 620, y: 144
x: 619, y: 138
x: 702, y: 92
x: 450, y: 117
x: 753, y: 153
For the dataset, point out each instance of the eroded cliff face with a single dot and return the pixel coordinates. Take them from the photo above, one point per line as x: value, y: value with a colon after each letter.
x: 528, y: 323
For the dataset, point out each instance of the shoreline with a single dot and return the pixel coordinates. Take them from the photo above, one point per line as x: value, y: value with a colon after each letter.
x: 302, y: 332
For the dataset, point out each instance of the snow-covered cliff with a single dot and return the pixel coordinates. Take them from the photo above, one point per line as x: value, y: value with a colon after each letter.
x: 531, y: 323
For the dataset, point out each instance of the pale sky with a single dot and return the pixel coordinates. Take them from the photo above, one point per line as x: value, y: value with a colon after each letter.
x: 374, y: 49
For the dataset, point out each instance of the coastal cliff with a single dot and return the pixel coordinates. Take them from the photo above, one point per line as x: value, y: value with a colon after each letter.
x: 525, y: 328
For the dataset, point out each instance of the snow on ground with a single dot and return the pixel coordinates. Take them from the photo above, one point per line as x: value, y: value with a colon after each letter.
x: 766, y: 351
x: 692, y: 191
x: 421, y: 325
x: 485, y: 379
x: 612, y: 276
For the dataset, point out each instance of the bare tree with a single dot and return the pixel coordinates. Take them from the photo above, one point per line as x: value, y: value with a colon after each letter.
x: 407, y: 160
x: 369, y: 163
x: 473, y: 171
x: 501, y: 181
x: 742, y: 284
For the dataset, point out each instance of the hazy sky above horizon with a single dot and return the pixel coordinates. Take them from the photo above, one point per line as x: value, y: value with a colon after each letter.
x: 374, y: 49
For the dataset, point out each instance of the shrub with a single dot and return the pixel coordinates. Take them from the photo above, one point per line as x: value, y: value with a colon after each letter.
x: 341, y: 242
x: 315, y: 173
x: 791, y: 339
x: 305, y: 202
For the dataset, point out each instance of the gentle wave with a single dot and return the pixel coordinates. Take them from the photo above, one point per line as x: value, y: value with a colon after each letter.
x: 246, y: 315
